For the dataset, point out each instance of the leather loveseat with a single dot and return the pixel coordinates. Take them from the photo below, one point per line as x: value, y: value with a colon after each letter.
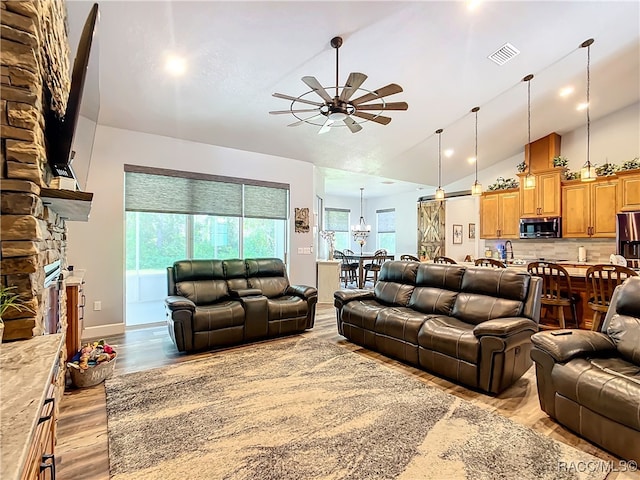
x: 213, y: 303
x: 590, y: 381
x: 469, y: 324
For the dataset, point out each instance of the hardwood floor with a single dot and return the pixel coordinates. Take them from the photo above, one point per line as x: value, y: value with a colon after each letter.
x: 82, y: 448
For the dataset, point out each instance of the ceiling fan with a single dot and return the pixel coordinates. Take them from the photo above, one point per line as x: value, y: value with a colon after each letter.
x: 340, y: 110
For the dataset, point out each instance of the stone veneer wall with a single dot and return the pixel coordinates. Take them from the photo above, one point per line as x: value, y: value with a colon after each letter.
x: 598, y: 249
x: 35, y: 79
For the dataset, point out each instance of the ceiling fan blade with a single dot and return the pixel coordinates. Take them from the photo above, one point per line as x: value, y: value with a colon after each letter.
x: 326, y: 127
x: 314, y: 84
x: 374, y: 118
x: 306, y: 110
x: 295, y: 99
x: 384, y: 106
x: 353, y: 83
x: 300, y: 122
x: 352, y: 124
x: 381, y: 92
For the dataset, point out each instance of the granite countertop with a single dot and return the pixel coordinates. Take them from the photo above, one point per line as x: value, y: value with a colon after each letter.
x: 26, y: 368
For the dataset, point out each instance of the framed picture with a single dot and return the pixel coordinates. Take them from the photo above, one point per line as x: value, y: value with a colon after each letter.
x: 302, y: 220
x: 457, y: 234
x: 472, y: 230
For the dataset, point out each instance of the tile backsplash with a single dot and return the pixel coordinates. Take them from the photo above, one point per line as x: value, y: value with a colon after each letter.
x: 598, y: 250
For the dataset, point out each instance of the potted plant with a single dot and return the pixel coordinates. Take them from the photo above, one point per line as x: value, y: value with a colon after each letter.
x: 10, y: 300
x: 560, y: 161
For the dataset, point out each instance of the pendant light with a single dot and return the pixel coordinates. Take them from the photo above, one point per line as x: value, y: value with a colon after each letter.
x: 439, y: 191
x: 476, y: 188
x: 588, y: 172
x: 529, y: 179
x: 361, y: 231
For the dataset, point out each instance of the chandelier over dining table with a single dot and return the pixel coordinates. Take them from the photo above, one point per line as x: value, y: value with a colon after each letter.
x: 361, y: 230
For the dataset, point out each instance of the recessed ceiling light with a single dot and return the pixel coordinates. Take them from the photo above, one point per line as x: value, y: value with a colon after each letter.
x: 448, y: 152
x: 582, y: 106
x: 473, y: 4
x: 471, y: 160
x: 388, y: 182
x: 566, y: 91
x: 175, y: 65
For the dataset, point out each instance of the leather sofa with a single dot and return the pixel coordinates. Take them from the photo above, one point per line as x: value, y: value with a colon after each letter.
x: 590, y: 381
x: 214, y: 303
x: 469, y: 324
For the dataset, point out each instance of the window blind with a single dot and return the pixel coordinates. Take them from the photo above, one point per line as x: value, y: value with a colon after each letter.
x: 336, y: 219
x: 169, y: 191
x: 386, y: 220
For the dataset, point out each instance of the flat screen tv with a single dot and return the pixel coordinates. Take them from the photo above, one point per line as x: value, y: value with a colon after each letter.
x: 70, y: 138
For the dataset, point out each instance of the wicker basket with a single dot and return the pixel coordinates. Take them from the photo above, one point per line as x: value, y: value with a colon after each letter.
x: 92, y: 375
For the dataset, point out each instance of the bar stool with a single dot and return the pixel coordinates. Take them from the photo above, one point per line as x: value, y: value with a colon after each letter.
x: 489, y: 262
x: 601, y: 282
x: 556, y: 291
x: 347, y: 270
x: 443, y: 259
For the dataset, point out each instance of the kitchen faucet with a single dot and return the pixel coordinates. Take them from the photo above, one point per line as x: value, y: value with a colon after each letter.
x: 508, y: 249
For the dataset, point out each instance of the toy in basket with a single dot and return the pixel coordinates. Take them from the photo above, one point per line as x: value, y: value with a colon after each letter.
x: 92, y: 364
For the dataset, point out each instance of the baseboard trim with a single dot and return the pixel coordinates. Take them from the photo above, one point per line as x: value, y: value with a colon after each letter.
x: 101, y: 331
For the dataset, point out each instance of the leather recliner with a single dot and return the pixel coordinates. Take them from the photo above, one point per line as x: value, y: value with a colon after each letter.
x: 590, y: 381
x: 470, y: 324
x: 214, y: 303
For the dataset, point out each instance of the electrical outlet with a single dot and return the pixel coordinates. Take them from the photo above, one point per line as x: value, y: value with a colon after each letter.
x: 300, y: 250
x: 97, y: 306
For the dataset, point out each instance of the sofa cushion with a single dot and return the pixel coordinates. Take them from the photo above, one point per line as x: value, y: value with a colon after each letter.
x: 268, y: 275
x: 198, y: 270
x: 625, y: 333
x: 628, y: 302
x: 436, y: 289
x: 235, y: 272
x: 395, y: 283
x: 362, y: 313
x: 400, y: 322
x: 489, y: 293
x: 450, y: 336
x: 287, y: 306
x: 203, y: 292
x: 609, y: 386
x: 219, y: 315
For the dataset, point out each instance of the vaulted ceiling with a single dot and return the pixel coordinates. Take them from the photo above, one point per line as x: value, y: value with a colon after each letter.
x: 239, y: 53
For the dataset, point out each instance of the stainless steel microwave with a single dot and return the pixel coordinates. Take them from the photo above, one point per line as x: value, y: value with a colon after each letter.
x: 541, y: 227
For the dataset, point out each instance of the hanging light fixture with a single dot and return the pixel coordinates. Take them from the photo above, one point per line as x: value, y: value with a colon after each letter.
x: 529, y: 179
x: 588, y: 172
x: 361, y: 231
x: 476, y: 188
x: 439, y: 191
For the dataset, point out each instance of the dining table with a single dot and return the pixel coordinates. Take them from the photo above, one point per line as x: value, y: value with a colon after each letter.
x: 361, y: 258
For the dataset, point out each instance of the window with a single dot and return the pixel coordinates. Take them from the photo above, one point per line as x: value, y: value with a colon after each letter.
x: 179, y: 215
x: 337, y: 220
x: 386, y: 222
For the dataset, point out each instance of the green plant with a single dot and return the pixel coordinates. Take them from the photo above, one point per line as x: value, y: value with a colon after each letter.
x: 607, y: 169
x: 522, y: 166
x: 502, y: 184
x: 631, y: 164
x: 11, y: 300
x: 571, y: 175
x: 560, y: 161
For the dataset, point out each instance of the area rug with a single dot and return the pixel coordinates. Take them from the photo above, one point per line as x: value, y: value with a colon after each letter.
x: 303, y: 408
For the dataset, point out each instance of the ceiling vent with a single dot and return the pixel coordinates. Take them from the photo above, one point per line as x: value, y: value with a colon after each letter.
x: 504, y: 54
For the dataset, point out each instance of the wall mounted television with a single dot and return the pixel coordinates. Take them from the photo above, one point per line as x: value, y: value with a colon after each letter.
x: 70, y: 138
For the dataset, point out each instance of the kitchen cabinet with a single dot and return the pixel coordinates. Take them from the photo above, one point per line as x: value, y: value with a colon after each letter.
x: 589, y: 208
x: 540, y: 153
x: 75, y: 314
x: 629, y: 190
x: 500, y: 214
x: 544, y: 199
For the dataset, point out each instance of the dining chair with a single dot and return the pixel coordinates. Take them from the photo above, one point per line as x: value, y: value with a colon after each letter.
x: 374, y: 266
x: 556, y: 292
x: 489, y: 262
x: 601, y: 282
x: 347, y: 270
x: 443, y: 259
x: 409, y: 257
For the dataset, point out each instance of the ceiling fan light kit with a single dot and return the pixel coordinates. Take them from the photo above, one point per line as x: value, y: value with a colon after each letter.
x: 340, y: 110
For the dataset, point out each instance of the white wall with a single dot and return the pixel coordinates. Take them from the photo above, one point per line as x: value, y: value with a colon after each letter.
x: 98, y: 245
x: 462, y: 211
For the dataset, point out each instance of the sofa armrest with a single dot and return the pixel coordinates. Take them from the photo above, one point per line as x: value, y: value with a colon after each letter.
x: 245, y: 292
x: 576, y: 343
x: 302, y: 291
x: 342, y: 297
x: 174, y: 303
x: 504, y: 327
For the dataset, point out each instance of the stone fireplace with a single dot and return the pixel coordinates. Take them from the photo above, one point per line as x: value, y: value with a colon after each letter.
x: 34, y: 57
